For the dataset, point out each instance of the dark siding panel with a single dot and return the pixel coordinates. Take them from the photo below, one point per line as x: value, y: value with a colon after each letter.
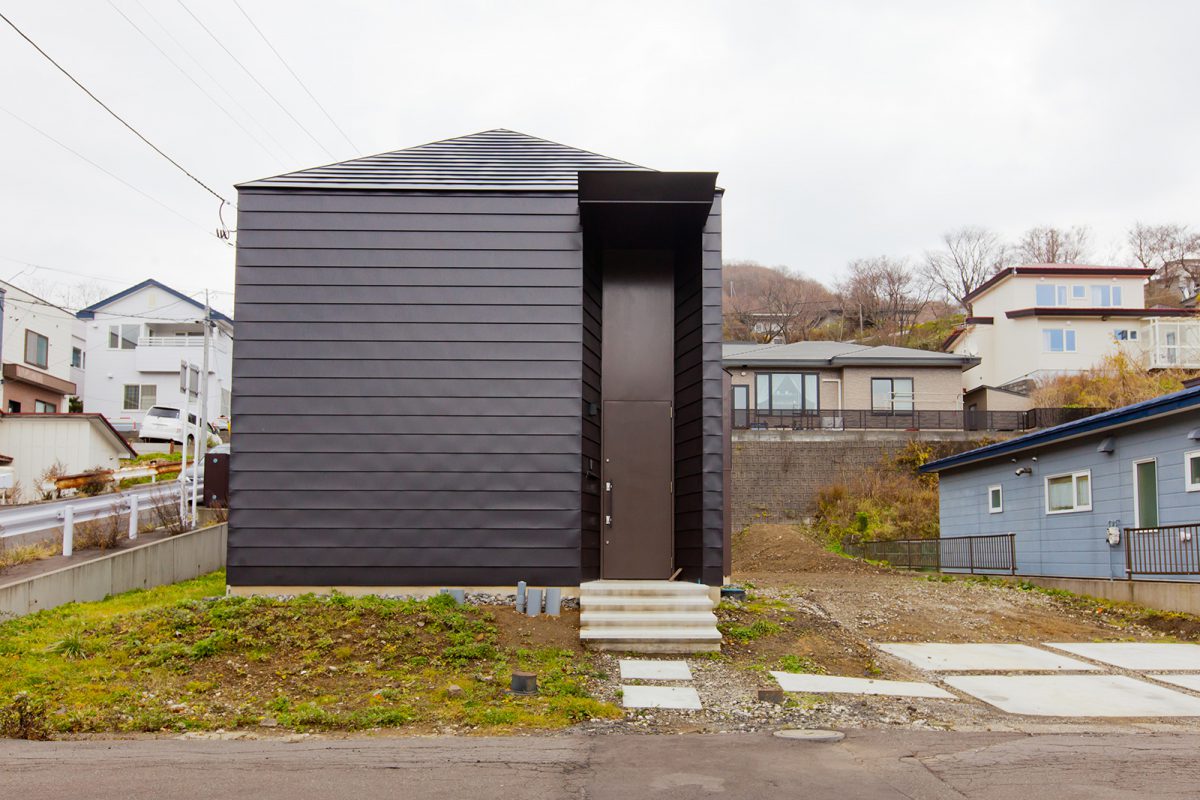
x: 699, y: 404
x: 590, y: 470
x: 407, y: 390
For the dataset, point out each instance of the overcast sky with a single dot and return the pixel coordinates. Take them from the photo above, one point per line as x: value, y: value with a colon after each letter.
x: 840, y: 129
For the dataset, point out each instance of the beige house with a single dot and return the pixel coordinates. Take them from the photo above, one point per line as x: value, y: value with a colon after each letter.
x: 71, y: 443
x: 839, y: 385
x: 1039, y: 320
x: 38, y: 353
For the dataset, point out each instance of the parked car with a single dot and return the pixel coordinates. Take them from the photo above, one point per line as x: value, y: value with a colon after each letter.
x: 163, y: 424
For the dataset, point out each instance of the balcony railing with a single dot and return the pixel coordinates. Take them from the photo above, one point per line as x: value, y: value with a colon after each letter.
x: 170, y: 341
x: 863, y: 419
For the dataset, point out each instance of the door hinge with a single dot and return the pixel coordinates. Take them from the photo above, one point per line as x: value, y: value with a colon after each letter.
x: 671, y: 487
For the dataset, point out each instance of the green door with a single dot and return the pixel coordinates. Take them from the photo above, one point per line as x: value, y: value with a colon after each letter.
x: 1145, y: 480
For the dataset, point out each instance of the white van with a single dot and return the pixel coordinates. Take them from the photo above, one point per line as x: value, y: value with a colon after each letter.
x: 162, y: 424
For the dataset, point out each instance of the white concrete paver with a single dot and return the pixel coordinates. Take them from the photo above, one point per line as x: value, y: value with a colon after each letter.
x: 1144, y: 656
x: 661, y: 697
x: 1076, y: 695
x: 645, y: 670
x: 943, y: 657
x: 1186, y: 681
x: 793, y: 682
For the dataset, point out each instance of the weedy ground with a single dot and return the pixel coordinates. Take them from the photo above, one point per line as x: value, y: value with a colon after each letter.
x: 183, y: 657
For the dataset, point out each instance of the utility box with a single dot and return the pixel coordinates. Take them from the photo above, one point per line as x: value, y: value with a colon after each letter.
x: 216, y: 480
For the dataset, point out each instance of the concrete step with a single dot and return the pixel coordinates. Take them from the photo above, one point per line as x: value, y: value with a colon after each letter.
x: 674, y: 604
x: 693, y: 620
x: 652, y: 640
x: 653, y: 646
x: 642, y: 589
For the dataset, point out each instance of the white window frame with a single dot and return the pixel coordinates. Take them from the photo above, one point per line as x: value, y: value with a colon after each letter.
x: 1187, y: 471
x: 1073, y: 336
x: 1000, y: 508
x: 1136, y: 504
x: 1079, y: 292
x: 1074, y: 476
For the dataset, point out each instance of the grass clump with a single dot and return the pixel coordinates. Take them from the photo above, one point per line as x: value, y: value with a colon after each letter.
x: 748, y: 633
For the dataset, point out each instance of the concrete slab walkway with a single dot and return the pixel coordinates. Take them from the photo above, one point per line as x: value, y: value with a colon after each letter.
x: 1142, y: 656
x: 1077, y: 695
x: 943, y: 657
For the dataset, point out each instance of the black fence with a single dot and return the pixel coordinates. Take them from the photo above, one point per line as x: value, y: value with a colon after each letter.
x: 992, y: 553
x: 1165, y: 550
x: 862, y: 419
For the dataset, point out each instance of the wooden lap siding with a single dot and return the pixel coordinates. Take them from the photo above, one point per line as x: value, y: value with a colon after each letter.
x: 407, y: 389
x: 699, y: 403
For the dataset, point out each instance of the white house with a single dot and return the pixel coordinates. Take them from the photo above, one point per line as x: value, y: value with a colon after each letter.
x: 36, y: 353
x: 1037, y: 320
x: 135, y: 341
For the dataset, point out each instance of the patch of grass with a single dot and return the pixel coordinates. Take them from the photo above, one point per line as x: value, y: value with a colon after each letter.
x: 185, y: 657
x: 748, y: 633
x: 23, y: 554
x: 795, y: 663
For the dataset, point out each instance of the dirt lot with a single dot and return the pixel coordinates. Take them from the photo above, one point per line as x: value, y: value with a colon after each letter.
x: 810, y: 610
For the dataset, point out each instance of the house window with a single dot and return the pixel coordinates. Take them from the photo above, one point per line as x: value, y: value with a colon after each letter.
x: 1058, y: 340
x: 785, y: 392
x: 37, y: 349
x: 892, y: 395
x: 123, y: 337
x: 227, y: 398
x: 77, y: 358
x: 1105, y: 296
x: 140, y: 397
x: 42, y: 407
x: 1191, y: 471
x: 995, y: 499
x: 1125, y: 335
x: 1145, y: 493
x: 1049, y: 294
x: 1069, y: 492
x: 1079, y: 292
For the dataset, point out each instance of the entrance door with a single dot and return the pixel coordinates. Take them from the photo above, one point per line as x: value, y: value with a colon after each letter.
x: 638, y: 503
x: 1145, y: 493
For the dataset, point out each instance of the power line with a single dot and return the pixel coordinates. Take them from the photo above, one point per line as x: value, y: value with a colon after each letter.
x: 250, y: 115
x: 256, y: 80
x: 110, y: 174
x: 288, y: 67
x: 195, y: 83
x: 114, y: 114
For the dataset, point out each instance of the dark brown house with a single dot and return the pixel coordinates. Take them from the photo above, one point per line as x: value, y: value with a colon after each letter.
x: 477, y: 361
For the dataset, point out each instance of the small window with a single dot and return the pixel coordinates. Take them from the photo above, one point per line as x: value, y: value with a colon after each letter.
x: 1051, y: 295
x: 892, y: 395
x: 995, y: 499
x: 1079, y: 292
x: 37, y: 349
x: 140, y: 397
x: 1068, y: 493
x: 1125, y: 335
x: 42, y: 407
x: 123, y: 337
x: 77, y: 359
x: 1058, y: 340
x: 1191, y: 471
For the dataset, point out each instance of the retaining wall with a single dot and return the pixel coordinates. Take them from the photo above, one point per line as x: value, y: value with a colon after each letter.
x: 1162, y: 595
x: 777, y: 474
x: 170, y: 560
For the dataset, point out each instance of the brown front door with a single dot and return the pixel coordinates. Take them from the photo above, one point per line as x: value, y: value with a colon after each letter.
x: 637, y: 511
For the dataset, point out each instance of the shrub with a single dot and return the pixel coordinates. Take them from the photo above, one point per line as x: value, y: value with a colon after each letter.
x: 24, y: 717
x: 1116, y: 381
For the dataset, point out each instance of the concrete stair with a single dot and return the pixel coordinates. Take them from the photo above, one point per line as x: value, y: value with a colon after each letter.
x: 648, y: 617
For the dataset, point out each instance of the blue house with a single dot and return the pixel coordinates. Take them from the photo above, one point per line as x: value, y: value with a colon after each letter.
x: 1114, y: 495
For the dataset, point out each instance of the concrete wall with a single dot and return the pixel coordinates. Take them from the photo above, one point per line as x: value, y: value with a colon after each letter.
x: 159, y: 563
x: 1163, y: 595
x: 1073, y: 544
x: 776, y: 474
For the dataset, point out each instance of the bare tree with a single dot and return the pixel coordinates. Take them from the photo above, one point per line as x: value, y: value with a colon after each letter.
x: 769, y: 303
x: 1173, y: 250
x: 1048, y: 245
x: 971, y: 255
x: 885, y: 295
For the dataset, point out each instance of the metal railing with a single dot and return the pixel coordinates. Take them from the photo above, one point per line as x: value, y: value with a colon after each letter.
x: 38, y: 517
x: 864, y: 419
x: 1165, y: 550
x: 988, y: 553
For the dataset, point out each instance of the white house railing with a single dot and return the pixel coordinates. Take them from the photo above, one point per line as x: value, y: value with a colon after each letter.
x: 171, y: 341
x: 1171, y: 343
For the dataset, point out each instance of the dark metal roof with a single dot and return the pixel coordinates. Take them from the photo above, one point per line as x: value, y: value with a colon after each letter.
x: 491, y: 160
x: 837, y: 354
x: 1183, y: 400
x: 90, y: 311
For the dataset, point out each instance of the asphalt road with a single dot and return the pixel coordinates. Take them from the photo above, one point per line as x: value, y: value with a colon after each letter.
x: 868, y: 764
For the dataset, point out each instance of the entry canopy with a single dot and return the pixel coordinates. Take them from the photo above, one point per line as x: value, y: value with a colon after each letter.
x: 638, y: 208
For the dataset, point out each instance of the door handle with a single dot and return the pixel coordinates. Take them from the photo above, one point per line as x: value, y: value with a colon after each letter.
x: 608, y: 519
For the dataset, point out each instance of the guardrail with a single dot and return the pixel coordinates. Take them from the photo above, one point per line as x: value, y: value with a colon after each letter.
x: 987, y: 553
x: 866, y: 419
x: 37, y: 517
x: 1165, y: 550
